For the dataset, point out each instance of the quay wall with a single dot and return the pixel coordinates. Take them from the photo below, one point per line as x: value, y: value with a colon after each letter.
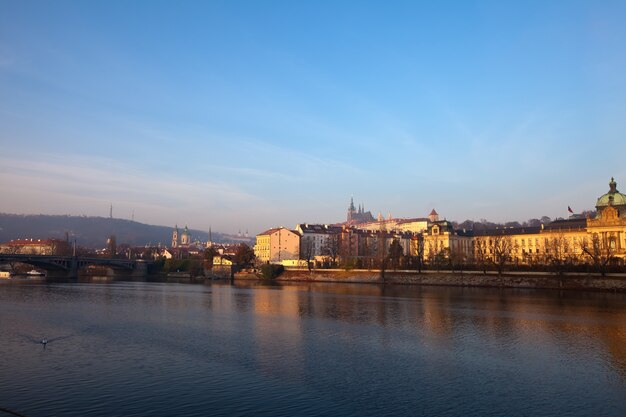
x: 572, y: 281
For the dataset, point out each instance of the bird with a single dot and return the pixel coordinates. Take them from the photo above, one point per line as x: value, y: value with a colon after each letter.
x: 44, y: 341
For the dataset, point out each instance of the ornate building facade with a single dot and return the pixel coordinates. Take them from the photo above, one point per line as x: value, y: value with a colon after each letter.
x: 601, y: 239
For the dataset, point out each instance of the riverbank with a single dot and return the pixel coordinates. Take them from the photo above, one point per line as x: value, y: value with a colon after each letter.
x: 542, y: 280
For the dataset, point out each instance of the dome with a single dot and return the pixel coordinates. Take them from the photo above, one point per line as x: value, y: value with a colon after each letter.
x: 613, y: 197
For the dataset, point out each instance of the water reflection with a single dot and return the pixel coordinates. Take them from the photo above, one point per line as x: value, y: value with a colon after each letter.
x: 569, y: 321
x: 310, y: 349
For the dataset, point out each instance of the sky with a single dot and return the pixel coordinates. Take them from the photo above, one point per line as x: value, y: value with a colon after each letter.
x: 248, y: 115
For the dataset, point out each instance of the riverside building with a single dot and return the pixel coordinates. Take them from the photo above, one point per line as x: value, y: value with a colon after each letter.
x: 600, y: 239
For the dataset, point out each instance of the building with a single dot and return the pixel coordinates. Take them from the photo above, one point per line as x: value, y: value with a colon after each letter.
x: 36, y: 247
x: 598, y: 240
x: 315, y: 239
x: 356, y: 216
x: 181, y: 239
x: 365, y: 220
x: 277, y: 244
x: 413, y: 225
x: 441, y: 240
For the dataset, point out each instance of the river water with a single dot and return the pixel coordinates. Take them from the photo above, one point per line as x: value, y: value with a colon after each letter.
x: 161, y: 349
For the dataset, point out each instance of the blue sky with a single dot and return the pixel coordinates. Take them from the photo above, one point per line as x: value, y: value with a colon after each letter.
x: 247, y: 115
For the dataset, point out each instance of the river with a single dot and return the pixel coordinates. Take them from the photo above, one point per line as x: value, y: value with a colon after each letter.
x: 163, y: 349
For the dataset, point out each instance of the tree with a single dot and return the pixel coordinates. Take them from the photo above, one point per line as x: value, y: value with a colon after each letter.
x: 209, y: 253
x: 395, y: 253
x: 331, y: 247
x: 307, y: 248
x: 382, y: 251
x: 417, y: 250
x: 456, y: 255
x: 559, y: 253
x: 600, y: 248
x: 436, y: 252
x: 244, y: 255
x: 501, y: 247
x: 12, y: 249
x: 368, y: 250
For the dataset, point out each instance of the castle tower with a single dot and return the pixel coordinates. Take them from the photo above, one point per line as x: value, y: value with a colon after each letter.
x: 175, y: 237
x: 433, y: 216
x: 351, y: 210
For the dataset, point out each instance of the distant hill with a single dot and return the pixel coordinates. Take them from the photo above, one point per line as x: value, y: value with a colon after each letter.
x: 92, y: 232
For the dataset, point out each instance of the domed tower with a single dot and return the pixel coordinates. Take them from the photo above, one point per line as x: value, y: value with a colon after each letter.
x: 185, y: 238
x: 613, y: 198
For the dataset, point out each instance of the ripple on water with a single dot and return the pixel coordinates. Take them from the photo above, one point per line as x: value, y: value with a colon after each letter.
x: 167, y: 349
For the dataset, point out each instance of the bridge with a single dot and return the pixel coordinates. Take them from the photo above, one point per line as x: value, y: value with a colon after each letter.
x: 68, y: 266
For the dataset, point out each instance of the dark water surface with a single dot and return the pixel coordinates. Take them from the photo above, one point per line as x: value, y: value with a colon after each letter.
x: 156, y: 349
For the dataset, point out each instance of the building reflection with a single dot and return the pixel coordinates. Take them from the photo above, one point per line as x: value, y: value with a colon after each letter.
x: 516, y: 321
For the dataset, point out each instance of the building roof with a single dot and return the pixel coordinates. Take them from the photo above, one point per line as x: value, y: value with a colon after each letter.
x: 507, y: 231
x: 22, y: 242
x: 318, y: 228
x: 276, y: 229
x: 567, y: 224
x: 433, y: 213
x: 613, y: 197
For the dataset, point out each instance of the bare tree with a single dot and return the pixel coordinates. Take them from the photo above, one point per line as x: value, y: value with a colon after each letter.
x: 501, y: 248
x: 480, y: 254
x: 12, y: 249
x: 418, y: 252
x: 382, y: 251
x: 559, y: 253
x: 307, y: 248
x: 330, y: 247
x: 395, y: 253
x: 436, y: 252
x: 600, y: 248
x: 456, y: 255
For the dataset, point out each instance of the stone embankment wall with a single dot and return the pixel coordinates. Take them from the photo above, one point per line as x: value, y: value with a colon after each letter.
x: 612, y: 282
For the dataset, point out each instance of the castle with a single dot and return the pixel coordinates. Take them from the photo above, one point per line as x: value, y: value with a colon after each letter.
x: 358, y: 215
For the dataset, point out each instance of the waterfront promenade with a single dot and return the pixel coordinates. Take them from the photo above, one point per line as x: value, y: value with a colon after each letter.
x: 532, y: 280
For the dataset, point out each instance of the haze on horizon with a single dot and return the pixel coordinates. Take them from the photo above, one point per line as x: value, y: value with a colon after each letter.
x: 247, y: 115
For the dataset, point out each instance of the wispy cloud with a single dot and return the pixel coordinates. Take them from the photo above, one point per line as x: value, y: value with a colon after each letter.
x: 86, y: 180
